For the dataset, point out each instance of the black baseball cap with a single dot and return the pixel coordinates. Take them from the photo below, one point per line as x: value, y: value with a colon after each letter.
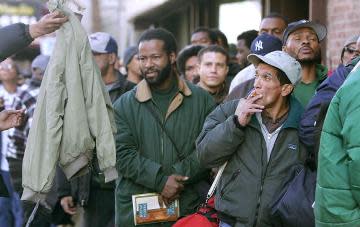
x: 319, y: 29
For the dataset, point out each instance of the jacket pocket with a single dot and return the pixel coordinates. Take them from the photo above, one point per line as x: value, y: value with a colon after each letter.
x: 229, y: 183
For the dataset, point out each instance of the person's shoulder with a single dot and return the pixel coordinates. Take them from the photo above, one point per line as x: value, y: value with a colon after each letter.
x: 321, y: 72
x: 196, y: 90
x: 226, y: 108
x: 126, y: 98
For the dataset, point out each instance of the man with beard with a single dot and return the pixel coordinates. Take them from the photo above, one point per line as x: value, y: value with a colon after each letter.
x: 157, y: 124
x: 302, y: 41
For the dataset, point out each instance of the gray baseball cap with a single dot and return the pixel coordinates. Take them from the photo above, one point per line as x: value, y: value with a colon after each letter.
x: 101, y: 42
x: 319, y: 29
x: 350, y: 40
x: 281, y: 61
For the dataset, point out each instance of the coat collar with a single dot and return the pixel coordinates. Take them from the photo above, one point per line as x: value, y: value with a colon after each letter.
x: 143, y: 91
x: 294, y: 116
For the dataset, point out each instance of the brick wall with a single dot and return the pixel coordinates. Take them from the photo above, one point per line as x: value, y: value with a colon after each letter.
x: 343, y: 21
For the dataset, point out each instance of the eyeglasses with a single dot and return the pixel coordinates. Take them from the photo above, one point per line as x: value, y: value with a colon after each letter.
x: 351, y: 50
x: 6, y: 67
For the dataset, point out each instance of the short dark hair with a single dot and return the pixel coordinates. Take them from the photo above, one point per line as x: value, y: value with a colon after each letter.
x: 185, y: 54
x: 277, y: 15
x: 211, y: 34
x: 216, y: 49
x: 248, y: 36
x: 160, y: 34
x: 220, y: 35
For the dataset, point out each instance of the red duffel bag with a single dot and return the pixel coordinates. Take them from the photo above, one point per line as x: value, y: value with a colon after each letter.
x: 206, y: 215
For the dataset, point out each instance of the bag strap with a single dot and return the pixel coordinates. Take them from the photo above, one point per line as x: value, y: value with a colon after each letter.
x: 156, y: 116
x: 215, y: 182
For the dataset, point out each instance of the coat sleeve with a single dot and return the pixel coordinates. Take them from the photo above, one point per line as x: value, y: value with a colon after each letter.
x: 220, y: 136
x: 13, y: 38
x: 63, y: 187
x: 129, y: 162
x: 323, y: 96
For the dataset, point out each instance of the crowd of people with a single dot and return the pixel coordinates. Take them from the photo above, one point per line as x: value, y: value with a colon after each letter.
x: 178, y: 115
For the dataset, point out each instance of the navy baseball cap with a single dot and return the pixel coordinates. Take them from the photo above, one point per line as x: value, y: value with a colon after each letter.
x: 264, y: 44
x: 101, y: 42
x: 319, y: 29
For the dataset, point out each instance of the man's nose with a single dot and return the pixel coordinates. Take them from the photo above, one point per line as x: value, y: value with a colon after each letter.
x: 257, y: 82
x: 148, y: 63
x: 305, y: 40
x: 213, y: 68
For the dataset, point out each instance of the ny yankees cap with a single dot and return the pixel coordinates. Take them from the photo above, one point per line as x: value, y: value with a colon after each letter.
x: 279, y: 60
x: 264, y: 44
x: 319, y: 29
x: 101, y: 42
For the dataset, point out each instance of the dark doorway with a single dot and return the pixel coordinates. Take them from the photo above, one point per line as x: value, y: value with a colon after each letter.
x: 293, y: 10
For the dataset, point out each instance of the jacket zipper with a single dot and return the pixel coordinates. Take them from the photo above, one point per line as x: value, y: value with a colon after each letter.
x: 234, y: 175
x: 262, y: 183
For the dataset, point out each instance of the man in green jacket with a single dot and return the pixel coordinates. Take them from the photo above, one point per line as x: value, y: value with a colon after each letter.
x: 302, y: 41
x: 258, y: 138
x: 337, y: 196
x: 149, y: 158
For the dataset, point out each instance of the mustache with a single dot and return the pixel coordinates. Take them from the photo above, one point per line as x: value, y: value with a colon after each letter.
x: 150, y: 70
x: 306, y: 46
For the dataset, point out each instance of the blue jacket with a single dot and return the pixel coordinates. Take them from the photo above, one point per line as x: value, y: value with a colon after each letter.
x: 324, y: 93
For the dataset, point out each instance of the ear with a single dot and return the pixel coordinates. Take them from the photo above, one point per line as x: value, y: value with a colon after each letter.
x: 227, y: 70
x: 284, y: 48
x: 112, y: 58
x: 286, y: 89
x: 172, y: 57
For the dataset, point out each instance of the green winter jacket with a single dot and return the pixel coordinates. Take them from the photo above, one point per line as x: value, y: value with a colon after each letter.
x: 73, y: 114
x: 249, y: 183
x: 145, y: 156
x: 337, y: 197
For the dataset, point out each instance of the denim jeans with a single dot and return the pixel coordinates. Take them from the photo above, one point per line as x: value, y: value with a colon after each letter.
x: 11, y: 213
x: 6, y: 217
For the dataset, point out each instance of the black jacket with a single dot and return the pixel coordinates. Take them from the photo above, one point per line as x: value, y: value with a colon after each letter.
x: 120, y: 87
x: 13, y: 38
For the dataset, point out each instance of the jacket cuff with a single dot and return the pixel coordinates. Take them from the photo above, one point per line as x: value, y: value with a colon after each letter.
x: 236, y: 122
x: 27, y: 33
x: 110, y: 174
x: 35, y: 197
x: 160, y: 183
